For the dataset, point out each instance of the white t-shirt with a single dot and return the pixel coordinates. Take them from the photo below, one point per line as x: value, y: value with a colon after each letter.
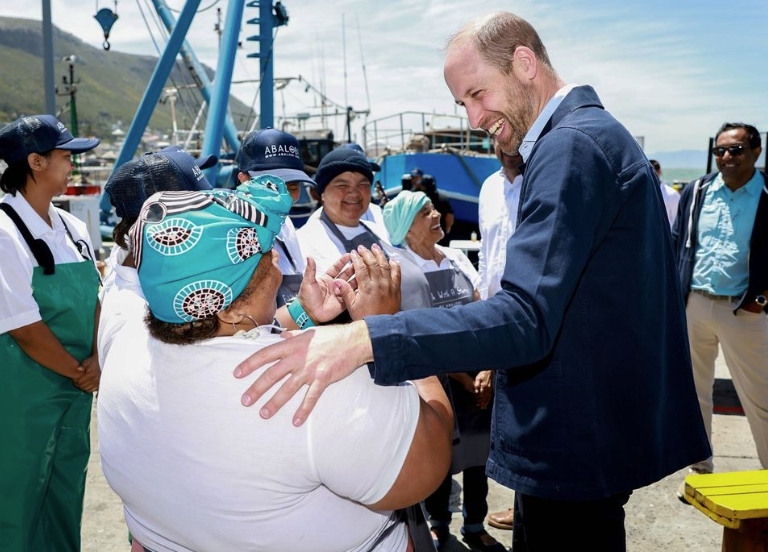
x: 318, y: 242
x: 671, y: 201
x: 122, y: 301
x: 197, y: 471
x: 497, y: 217
x: 18, y: 307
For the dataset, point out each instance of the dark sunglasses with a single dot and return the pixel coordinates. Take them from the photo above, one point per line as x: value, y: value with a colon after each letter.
x: 719, y: 151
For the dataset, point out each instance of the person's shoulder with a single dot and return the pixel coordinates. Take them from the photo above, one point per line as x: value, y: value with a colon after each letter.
x: 700, y: 181
x: 360, y: 388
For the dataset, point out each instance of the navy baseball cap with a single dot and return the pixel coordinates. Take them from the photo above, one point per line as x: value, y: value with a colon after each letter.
x: 169, y: 170
x: 375, y: 167
x: 417, y: 172
x: 272, y: 151
x: 39, y: 134
x: 204, y: 161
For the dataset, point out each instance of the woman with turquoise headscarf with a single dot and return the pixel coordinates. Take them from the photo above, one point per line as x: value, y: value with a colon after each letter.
x: 194, y: 468
x: 48, y: 312
x: 414, y: 224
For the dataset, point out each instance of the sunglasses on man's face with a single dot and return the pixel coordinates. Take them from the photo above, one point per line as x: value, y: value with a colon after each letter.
x: 719, y: 151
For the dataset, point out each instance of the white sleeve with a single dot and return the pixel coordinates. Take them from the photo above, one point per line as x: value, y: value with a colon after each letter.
x: 483, y: 253
x: 18, y: 307
x: 360, y: 434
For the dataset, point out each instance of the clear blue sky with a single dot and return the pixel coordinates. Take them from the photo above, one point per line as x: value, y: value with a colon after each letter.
x: 671, y: 71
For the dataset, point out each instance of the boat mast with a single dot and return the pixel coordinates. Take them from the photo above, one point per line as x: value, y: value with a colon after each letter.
x: 196, y: 70
x: 50, y: 94
x: 219, y: 104
x: 218, y: 125
x: 156, y: 83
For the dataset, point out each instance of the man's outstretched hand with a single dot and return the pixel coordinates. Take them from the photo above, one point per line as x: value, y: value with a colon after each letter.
x: 320, y: 356
x: 316, y: 357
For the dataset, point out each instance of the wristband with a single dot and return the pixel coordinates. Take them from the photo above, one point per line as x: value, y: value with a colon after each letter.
x: 299, y: 315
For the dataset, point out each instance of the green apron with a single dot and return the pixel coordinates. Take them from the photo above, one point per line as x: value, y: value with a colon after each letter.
x: 45, y: 421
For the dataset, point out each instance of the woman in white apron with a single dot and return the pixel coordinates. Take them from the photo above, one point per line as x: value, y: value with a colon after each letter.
x: 48, y: 309
x: 414, y: 223
x: 343, y: 181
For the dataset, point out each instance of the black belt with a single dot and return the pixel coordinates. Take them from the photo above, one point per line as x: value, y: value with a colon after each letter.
x: 714, y: 297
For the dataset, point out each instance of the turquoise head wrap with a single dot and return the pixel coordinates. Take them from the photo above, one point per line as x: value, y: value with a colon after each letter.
x: 400, y: 212
x: 196, y: 251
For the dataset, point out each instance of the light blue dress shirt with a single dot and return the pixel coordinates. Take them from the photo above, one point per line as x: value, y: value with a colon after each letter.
x: 725, y: 227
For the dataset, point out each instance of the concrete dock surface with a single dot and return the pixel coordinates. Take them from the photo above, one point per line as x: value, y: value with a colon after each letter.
x: 656, y: 520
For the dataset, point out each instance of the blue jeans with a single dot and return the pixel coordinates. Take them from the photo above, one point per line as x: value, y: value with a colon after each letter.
x: 475, y: 507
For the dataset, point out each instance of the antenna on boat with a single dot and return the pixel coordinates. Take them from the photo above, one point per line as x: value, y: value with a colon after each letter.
x: 344, y: 51
x: 362, y: 58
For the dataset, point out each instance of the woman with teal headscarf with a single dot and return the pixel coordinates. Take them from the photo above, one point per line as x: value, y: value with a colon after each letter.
x: 414, y: 224
x: 48, y: 311
x: 196, y: 470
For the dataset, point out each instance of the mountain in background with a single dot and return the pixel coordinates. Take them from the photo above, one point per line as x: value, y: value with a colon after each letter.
x: 683, y: 159
x: 110, y: 84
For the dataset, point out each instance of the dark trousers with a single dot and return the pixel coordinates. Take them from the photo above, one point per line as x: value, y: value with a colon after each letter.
x: 542, y: 525
x: 475, y: 507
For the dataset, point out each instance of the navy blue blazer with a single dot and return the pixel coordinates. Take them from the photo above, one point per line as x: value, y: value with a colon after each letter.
x: 594, y: 386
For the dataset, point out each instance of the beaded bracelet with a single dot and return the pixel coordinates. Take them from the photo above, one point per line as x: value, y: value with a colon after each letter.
x: 299, y: 315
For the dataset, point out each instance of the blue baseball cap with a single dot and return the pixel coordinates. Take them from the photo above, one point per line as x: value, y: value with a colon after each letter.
x: 39, y: 134
x: 170, y: 169
x: 375, y: 167
x: 204, y: 161
x: 416, y: 172
x: 272, y: 151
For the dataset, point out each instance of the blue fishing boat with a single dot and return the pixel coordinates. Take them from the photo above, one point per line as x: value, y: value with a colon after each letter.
x: 458, y: 157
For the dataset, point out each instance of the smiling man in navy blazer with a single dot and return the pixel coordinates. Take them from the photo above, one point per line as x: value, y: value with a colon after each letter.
x: 594, y: 392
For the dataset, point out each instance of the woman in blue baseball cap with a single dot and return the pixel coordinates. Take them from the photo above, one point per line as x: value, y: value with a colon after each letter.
x: 269, y: 151
x: 194, y: 468
x: 48, y: 311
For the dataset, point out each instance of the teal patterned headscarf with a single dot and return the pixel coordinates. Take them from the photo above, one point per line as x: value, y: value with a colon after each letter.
x: 196, y: 251
x: 400, y: 212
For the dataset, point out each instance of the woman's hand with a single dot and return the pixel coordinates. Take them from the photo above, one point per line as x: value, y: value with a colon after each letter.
x: 319, y: 296
x: 483, y: 386
x: 378, y: 284
x: 90, y: 375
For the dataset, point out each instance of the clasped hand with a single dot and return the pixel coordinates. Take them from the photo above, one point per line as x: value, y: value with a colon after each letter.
x: 311, y: 357
x: 363, y: 282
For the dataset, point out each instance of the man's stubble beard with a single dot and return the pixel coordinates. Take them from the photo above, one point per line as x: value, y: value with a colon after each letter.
x: 519, y: 115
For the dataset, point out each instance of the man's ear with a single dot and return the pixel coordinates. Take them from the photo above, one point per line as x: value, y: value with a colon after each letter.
x: 526, y: 62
